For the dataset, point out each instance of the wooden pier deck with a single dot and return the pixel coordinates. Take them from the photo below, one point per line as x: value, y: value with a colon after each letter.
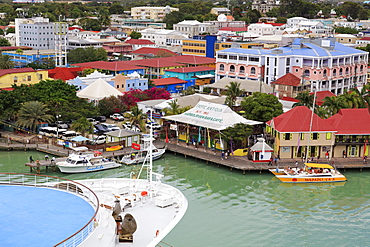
x: 241, y: 163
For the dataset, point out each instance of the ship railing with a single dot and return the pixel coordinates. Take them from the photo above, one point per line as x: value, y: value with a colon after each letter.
x: 59, y: 184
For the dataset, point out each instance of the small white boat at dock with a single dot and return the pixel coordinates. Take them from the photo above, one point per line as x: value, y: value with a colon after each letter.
x: 84, y: 160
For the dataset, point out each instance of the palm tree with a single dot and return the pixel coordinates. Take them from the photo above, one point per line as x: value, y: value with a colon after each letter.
x: 352, y: 99
x: 233, y: 91
x: 136, y: 117
x: 363, y: 95
x: 305, y: 99
x: 32, y: 113
x: 5, y: 62
x: 83, y: 126
x: 334, y: 104
x: 322, y: 112
x: 174, y: 108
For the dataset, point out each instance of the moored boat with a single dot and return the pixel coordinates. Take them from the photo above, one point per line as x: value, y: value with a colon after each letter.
x: 139, y: 152
x: 82, y: 160
x: 312, y: 173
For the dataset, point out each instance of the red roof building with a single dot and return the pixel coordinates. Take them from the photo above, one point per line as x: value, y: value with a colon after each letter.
x: 351, y: 122
x: 65, y: 74
x: 298, y: 120
x: 139, y: 42
x: 116, y: 66
x: 191, y: 69
x: 12, y: 71
x: 167, y: 81
x: 146, y: 52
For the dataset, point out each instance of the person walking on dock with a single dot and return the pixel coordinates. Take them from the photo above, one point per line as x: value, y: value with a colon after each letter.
x: 46, y: 157
x: 31, y: 159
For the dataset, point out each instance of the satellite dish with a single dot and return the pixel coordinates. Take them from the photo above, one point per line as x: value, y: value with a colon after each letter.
x: 221, y: 17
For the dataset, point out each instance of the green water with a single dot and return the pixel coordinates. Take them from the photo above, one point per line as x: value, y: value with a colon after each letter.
x: 230, y: 209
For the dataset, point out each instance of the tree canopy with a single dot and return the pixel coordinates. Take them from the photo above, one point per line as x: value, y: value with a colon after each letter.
x: 90, y: 54
x: 261, y: 107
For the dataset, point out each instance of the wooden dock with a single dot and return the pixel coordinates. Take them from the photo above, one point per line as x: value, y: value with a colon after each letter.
x: 241, y: 163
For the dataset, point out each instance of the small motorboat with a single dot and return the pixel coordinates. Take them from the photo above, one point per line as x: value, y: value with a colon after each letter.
x: 140, y: 152
x: 113, y: 148
x: 312, y: 173
x: 83, y: 160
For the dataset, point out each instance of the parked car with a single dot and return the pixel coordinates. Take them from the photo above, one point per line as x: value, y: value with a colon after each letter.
x: 100, y: 118
x: 117, y: 117
x: 110, y: 127
x: 127, y: 125
x: 93, y: 121
x: 101, y: 139
x: 100, y: 129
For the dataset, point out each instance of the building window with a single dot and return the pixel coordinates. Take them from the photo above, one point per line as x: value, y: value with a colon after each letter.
x: 347, y: 71
x: 233, y: 57
x: 232, y: 68
x: 253, y: 71
x: 315, y: 136
x: 340, y: 71
x: 324, y: 72
x: 288, y: 62
x: 242, y: 70
x: 29, y: 78
x: 328, y: 135
x: 287, y: 136
x: 222, y: 67
x: 15, y: 79
x: 128, y: 85
x: 117, y: 86
x: 334, y: 72
x: 306, y: 72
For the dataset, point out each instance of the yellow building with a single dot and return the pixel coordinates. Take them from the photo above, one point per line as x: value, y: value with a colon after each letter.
x: 19, y: 76
x: 199, y: 47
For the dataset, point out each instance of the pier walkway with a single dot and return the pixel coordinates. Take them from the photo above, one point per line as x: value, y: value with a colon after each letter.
x: 241, y: 163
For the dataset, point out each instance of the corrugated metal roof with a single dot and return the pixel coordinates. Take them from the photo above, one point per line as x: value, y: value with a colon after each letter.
x: 351, y: 121
x: 298, y: 120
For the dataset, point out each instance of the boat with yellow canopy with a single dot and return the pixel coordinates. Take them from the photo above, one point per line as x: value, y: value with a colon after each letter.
x: 312, y: 173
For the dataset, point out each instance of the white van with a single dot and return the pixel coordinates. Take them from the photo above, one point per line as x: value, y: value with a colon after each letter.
x: 99, y: 140
x: 68, y: 135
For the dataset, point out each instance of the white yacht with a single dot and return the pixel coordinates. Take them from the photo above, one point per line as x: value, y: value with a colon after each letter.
x: 83, y: 160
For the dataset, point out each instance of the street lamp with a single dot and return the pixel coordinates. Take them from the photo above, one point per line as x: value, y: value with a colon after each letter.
x: 57, y: 117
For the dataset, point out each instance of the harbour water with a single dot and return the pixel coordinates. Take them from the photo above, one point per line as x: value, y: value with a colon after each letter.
x: 230, y: 209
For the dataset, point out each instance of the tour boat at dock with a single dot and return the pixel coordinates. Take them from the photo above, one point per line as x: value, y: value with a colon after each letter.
x: 312, y: 173
x: 83, y: 160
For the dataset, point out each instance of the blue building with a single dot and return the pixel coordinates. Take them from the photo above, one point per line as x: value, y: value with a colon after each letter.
x: 29, y: 56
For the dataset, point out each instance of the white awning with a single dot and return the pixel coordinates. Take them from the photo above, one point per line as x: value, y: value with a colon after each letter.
x: 211, y: 115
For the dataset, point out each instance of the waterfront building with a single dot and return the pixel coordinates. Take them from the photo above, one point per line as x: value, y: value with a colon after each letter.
x: 125, y: 137
x: 20, y: 76
x: 322, y: 64
x: 155, y: 13
x: 347, y: 132
x: 352, y: 134
x: 296, y: 136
